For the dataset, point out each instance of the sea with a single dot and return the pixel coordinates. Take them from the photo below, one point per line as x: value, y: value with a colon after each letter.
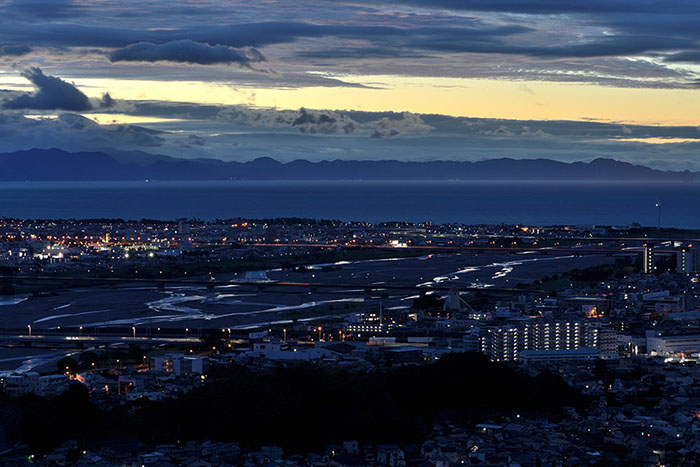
x: 464, y: 202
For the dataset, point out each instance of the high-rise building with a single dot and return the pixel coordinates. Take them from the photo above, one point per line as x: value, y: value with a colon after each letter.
x: 648, y: 259
x: 687, y: 260
x: 183, y: 227
x: 504, y: 343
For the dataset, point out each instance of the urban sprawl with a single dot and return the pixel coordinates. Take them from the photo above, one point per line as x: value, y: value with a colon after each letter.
x: 610, y: 312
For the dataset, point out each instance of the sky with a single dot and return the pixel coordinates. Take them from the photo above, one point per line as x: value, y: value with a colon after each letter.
x: 356, y: 79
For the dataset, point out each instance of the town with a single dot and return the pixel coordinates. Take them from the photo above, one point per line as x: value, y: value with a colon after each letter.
x: 610, y: 312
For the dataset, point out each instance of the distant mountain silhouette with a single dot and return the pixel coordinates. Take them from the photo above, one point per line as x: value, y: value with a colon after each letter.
x: 57, y: 165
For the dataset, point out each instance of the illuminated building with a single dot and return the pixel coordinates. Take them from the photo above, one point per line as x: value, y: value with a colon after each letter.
x: 370, y: 328
x: 648, y: 259
x: 180, y: 364
x: 504, y: 343
x: 375, y: 322
x: 687, y: 261
x: 582, y: 354
x: 662, y: 344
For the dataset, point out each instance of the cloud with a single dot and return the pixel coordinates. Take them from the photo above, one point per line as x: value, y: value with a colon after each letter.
x: 540, y: 133
x: 305, y: 121
x: 547, y: 7
x: 501, y: 131
x: 107, y: 102
x: 52, y: 93
x: 187, y: 51
x: 329, y: 122
x: 375, y: 52
x: 382, y: 37
x: 256, y: 132
x: 237, y: 119
x: 14, y: 50
x: 120, y: 135
x: 390, y: 128
x: 479, y: 34
x: 324, y: 122
x: 689, y: 56
x: 195, y: 140
x: 192, y: 142
x: 235, y: 43
x: 73, y: 132
x: 41, y: 9
x: 64, y: 34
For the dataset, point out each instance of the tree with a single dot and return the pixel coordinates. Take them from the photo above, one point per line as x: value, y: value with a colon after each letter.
x: 7, y: 289
x: 67, y: 362
x: 88, y: 358
x: 428, y: 302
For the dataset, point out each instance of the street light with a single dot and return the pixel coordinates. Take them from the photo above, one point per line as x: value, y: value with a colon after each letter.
x: 133, y: 331
x: 29, y: 327
x: 80, y: 332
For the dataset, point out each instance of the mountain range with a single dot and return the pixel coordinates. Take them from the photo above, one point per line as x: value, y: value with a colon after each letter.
x: 58, y: 165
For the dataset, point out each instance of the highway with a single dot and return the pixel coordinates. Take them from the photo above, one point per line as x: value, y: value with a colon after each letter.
x: 13, y: 337
x: 260, y: 286
x: 295, y: 287
x: 473, y: 249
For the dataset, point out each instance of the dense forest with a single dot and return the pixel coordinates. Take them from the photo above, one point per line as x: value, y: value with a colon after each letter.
x: 303, y: 407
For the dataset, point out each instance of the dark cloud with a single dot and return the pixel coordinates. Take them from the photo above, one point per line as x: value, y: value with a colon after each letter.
x: 14, y: 50
x: 305, y: 121
x: 498, y: 40
x: 219, y: 118
x: 41, y: 9
x: 519, y: 131
x: 313, y: 122
x: 359, y: 52
x: 74, y: 132
x: 384, y: 134
x: 114, y: 135
x: 548, y: 7
x: 187, y: 51
x: 376, y: 135
x: 690, y: 56
x: 191, y: 45
x: 615, y: 46
x: 248, y: 34
x: 634, y: 28
x: 639, y: 26
x: 234, y: 35
x: 391, y: 127
x: 194, y: 140
x: 329, y: 122
x: 542, y: 30
x: 51, y: 93
x: 107, y: 102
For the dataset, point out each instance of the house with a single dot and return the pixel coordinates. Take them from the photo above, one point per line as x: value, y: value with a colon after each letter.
x: 391, y: 455
x: 351, y: 447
